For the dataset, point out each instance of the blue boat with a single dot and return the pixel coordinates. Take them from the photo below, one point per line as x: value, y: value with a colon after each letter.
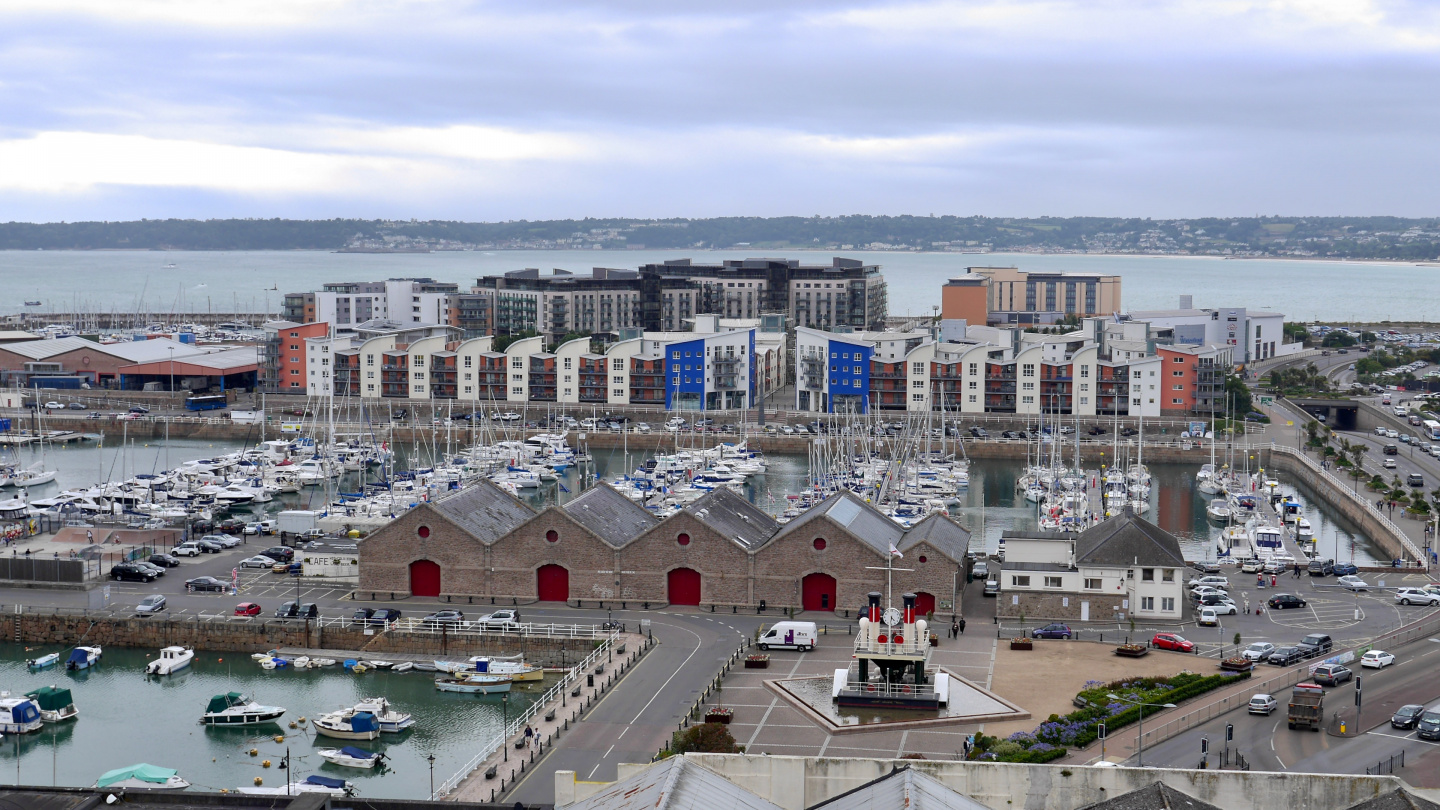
x: 83, y: 658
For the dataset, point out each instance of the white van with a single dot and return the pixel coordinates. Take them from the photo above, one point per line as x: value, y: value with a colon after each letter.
x: 791, y: 635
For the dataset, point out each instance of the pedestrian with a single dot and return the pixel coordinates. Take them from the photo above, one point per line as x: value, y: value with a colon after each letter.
x: 962, y: 625
x: 529, y: 736
x: 1297, y: 570
x: 954, y: 630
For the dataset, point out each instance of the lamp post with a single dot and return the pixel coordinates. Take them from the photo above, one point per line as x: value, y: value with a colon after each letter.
x: 172, y: 368
x: 431, y: 759
x: 505, y: 726
x: 1141, y: 753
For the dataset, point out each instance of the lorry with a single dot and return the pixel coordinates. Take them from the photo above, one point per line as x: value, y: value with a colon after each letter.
x: 293, y: 522
x: 1306, y: 702
x: 794, y: 635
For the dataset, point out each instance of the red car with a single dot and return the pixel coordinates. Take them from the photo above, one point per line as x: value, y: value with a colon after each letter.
x: 1171, y: 641
x: 247, y: 609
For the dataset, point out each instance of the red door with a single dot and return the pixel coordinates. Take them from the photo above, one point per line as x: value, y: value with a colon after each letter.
x: 817, y: 592
x: 553, y: 583
x: 684, y: 587
x: 424, y: 578
x: 924, y: 603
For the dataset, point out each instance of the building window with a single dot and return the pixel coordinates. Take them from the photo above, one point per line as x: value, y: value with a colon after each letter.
x: 617, y: 364
x: 618, y: 392
x: 369, y: 359
x: 819, y: 544
x: 517, y: 362
x: 1167, y: 575
x: 1147, y: 574
x: 1084, y: 371
x: 1020, y: 582
x: 567, y: 364
x: 423, y: 531
x: 552, y: 536
x: 1167, y: 604
x: 923, y: 558
x: 683, y: 539
x: 1054, y: 582
x: 1027, y: 369
x: 1147, y: 603
x: 420, y: 360
x: 917, y: 397
x: 1093, y: 584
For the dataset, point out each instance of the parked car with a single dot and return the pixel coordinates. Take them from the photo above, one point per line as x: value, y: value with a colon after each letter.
x: 1407, y: 716
x: 280, y: 553
x: 444, y: 617
x: 1416, y: 596
x: 210, y: 546
x: 1377, y: 659
x: 131, y: 572
x: 157, y: 570
x: 154, y: 603
x: 1345, y: 569
x: 206, y: 584
x: 1315, y: 645
x: 247, y: 609
x: 1206, y: 567
x: 222, y: 540
x: 1251, y: 566
x: 992, y: 587
x: 296, y: 610
x: 1429, y: 726
x: 1283, y: 601
x: 981, y: 570
x: 1321, y: 568
x: 76, y: 406
x: 979, y: 433
x: 309, y: 610
x: 375, y: 616
x: 1217, y: 582
x: 1259, y: 651
x: 52, y: 405
x: 1262, y: 704
x: 1208, y: 617
x: 1201, y: 592
x: 1052, y: 631
x: 1331, y: 674
x: 1172, y: 641
x: 258, y: 561
x: 1285, y: 656
x: 1222, y: 605
x: 163, y: 560
x: 500, y: 619
x: 189, y: 548
x: 1353, y: 583
x: 362, y: 615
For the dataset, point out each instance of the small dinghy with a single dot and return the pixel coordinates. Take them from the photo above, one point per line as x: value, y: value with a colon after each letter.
x: 322, y: 662
x: 303, y: 662
x: 347, y: 725
x: 43, y: 661
x: 351, y: 757
x: 83, y: 658
x: 378, y: 664
x: 312, y: 784
x: 404, y: 666
x: 171, y: 661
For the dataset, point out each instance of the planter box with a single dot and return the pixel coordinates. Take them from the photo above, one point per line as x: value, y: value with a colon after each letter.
x: 934, y: 640
x: 1132, y: 652
x: 717, y: 717
x: 1237, y: 665
x: 762, y: 664
x: 1021, y: 644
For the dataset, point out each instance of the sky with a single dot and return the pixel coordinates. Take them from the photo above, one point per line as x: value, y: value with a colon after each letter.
x: 123, y: 109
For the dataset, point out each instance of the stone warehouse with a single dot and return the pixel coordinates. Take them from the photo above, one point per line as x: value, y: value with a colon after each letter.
x: 482, y: 543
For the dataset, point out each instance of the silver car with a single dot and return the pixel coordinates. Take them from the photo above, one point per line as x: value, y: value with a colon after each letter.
x: 154, y: 603
x: 1262, y: 704
x: 258, y: 561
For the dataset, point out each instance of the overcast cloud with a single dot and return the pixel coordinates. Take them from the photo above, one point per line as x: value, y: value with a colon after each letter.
x: 121, y: 109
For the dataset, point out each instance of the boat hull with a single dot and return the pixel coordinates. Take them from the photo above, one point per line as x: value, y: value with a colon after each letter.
x: 344, y: 733
x: 247, y: 719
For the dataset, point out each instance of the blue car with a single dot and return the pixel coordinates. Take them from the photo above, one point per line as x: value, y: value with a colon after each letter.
x: 1345, y: 569
x: 1052, y: 631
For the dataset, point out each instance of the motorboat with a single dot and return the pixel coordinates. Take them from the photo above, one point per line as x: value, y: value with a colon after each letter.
x: 311, y: 784
x: 55, y: 704
x: 1304, y: 533
x: 142, y: 777
x: 1219, y: 510
x: 513, y: 668
x: 19, y: 715
x: 83, y: 658
x: 475, y: 684
x: 237, y: 709
x: 347, y: 725
x: 351, y: 757
x: 390, y: 720
x: 171, y: 661
x: 47, y: 660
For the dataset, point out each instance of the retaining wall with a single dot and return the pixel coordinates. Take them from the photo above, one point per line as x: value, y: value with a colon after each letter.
x: 799, y: 782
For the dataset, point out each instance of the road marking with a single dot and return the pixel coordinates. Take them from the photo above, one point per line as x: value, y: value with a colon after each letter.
x: 1409, y: 737
x: 622, y: 734
x: 607, y: 752
x: 903, y: 737
x: 661, y: 690
x: 824, y: 745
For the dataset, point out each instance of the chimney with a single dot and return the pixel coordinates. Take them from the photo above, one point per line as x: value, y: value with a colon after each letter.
x: 874, y: 606
x: 909, y: 600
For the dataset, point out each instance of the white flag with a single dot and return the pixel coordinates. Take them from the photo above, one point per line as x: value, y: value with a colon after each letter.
x: 895, y: 551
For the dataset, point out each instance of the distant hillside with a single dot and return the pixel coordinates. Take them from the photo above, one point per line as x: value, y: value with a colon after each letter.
x: 1338, y: 237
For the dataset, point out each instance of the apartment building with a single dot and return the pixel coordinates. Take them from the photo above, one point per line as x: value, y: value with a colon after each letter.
x: 1253, y: 335
x: 283, y: 355
x: 1009, y: 295
x: 606, y: 302
x: 345, y: 305
x: 843, y: 294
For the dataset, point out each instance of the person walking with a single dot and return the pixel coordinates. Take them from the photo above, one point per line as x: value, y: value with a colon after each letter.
x: 962, y: 625
x: 529, y: 736
x: 954, y: 630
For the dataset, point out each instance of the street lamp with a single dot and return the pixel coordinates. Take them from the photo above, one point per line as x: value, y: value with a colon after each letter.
x: 1141, y: 755
x: 172, y: 368
x: 505, y: 726
x: 431, y: 759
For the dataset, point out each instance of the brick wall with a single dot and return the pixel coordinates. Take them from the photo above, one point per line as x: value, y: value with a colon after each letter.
x: 723, y: 565
x: 516, y: 557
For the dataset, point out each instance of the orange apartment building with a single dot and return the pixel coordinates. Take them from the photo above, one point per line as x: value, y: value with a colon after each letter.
x: 282, y: 356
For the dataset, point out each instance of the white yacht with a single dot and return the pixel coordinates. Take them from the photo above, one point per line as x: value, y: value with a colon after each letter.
x: 171, y: 661
x: 237, y: 709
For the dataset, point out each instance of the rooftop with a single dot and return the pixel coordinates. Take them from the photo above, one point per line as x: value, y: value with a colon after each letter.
x: 484, y: 510
x: 734, y: 517
x: 613, y: 517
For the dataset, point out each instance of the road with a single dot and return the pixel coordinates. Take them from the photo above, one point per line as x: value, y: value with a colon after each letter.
x: 1269, y: 745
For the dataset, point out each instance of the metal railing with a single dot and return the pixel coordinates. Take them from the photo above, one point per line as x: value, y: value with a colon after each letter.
x: 1405, y: 542
x: 523, y: 719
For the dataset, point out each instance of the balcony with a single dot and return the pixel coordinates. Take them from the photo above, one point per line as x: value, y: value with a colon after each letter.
x: 727, y: 381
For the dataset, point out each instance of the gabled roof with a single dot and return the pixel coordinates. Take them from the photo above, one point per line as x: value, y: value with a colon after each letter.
x: 485, y: 511
x: 1126, y: 540
x: 1397, y: 799
x: 859, y: 518
x: 1156, y: 796
x: 673, y: 784
x: 947, y: 536
x: 902, y: 788
x: 613, y: 517
x: 734, y: 517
